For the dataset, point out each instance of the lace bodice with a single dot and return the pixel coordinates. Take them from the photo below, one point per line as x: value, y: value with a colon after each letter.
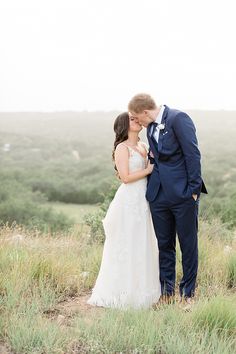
x: 136, y: 160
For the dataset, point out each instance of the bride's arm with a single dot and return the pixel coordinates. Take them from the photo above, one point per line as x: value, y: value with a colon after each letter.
x: 122, y: 165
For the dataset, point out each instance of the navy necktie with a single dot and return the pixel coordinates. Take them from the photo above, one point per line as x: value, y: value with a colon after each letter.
x: 153, y: 127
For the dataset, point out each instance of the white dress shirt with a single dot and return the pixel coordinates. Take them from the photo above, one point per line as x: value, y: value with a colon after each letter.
x: 158, y: 121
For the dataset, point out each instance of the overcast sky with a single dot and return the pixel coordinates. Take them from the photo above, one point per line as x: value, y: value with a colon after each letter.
x: 96, y: 54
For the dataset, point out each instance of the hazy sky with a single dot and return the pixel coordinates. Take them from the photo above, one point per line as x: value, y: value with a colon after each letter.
x: 96, y: 54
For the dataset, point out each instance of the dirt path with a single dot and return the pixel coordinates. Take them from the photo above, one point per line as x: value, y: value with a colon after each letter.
x: 4, y: 349
x: 64, y: 312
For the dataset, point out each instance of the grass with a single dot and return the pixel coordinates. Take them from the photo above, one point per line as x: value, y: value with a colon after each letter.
x: 167, y: 331
x: 231, y: 271
x: 217, y: 314
x: 39, y: 272
x: 30, y: 333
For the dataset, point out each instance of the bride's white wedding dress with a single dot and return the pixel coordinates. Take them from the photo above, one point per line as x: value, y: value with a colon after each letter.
x: 129, y: 272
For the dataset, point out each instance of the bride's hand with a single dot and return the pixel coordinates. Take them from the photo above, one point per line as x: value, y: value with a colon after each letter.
x: 151, y: 154
x: 149, y: 167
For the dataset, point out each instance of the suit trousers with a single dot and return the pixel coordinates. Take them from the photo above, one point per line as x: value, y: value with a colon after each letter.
x: 169, y: 219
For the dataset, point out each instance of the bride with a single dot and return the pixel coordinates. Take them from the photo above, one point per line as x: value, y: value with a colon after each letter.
x: 129, y: 272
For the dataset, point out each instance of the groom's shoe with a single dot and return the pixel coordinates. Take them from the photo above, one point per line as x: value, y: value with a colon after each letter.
x: 168, y: 299
x: 164, y: 300
x: 186, y: 303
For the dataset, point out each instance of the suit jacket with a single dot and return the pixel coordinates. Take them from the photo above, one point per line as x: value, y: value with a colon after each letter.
x: 177, y: 166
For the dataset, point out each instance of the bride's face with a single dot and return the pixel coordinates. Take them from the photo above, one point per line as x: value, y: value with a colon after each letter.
x: 142, y: 118
x: 134, y: 126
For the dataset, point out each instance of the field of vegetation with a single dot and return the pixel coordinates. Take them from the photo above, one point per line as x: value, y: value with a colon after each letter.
x: 45, y: 282
x: 55, y: 169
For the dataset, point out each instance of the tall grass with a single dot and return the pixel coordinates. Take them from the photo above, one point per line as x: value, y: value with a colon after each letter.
x: 39, y: 271
x: 29, y: 332
x: 168, y: 330
x: 231, y: 271
x: 219, y: 313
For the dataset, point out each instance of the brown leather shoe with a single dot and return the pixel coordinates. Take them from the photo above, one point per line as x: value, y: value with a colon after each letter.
x: 167, y: 299
x: 186, y: 303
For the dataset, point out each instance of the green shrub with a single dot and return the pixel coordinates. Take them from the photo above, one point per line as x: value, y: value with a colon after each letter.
x: 22, y: 206
x: 94, y: 220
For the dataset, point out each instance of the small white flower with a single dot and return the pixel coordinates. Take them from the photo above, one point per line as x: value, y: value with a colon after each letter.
x: 85, y: 274
x: 227, y: 249
x: 161, y: 126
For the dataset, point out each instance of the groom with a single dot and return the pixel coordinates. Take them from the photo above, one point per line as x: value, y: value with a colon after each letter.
x: 173, y: 189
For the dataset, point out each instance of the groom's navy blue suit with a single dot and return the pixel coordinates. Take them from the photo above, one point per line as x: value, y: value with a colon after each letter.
x: 175, y: 178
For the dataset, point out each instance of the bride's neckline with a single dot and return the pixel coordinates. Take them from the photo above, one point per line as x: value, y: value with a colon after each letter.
x: 135, y: 150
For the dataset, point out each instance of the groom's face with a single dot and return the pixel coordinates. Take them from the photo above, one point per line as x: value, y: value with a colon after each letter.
x: 141, y: 118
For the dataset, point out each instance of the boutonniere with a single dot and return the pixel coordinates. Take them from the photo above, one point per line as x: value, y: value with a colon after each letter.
x: 161, y: 126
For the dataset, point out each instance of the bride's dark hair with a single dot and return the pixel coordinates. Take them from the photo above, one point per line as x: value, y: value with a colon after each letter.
x: 121, y: 128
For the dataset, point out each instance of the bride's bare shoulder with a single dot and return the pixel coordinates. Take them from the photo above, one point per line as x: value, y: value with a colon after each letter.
x: 121, y: 148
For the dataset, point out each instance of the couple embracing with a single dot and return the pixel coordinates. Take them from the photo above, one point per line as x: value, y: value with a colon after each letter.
x: 158, y: 198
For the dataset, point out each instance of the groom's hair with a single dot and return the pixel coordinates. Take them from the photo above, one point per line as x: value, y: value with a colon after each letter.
x: 140, y: 102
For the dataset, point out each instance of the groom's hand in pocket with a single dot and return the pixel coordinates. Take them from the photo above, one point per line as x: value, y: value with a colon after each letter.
x: 194, y: 197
